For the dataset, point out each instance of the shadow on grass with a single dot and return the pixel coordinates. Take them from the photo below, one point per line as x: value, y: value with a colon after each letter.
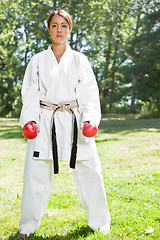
x: 115, y: 125
x: 107, y: 140
x: 84, y: 231
x: 128, y: 125
x: 10, y: 132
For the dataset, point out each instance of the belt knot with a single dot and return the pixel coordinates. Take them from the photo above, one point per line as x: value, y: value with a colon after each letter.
x: 64, y: 107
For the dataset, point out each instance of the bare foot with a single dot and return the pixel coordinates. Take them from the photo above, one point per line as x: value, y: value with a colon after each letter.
x: 22, y: 236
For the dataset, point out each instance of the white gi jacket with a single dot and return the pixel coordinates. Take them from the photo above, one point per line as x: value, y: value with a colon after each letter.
x: 46, y: 79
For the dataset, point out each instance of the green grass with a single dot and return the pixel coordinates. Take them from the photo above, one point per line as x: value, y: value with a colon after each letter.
x: 129, y: 149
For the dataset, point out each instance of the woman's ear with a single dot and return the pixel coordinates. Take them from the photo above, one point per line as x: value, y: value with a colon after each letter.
x: 70, y: 30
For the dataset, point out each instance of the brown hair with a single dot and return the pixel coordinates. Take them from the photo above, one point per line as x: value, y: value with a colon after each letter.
x: 63, y: 14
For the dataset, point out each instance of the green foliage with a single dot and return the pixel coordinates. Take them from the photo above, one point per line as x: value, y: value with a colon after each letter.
x: 149, y: 110
x: 144, y: 70
x: 120, y: 38
x: 23, y: 33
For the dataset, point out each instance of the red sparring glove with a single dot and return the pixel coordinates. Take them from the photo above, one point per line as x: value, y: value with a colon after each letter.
x: 89, y: 130
x: 29, y: 130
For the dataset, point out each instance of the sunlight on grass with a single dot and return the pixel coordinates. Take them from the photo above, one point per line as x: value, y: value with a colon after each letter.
x: 129, y: 149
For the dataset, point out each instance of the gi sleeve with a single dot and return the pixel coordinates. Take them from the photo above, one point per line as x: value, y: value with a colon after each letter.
x: 30, y: 93
x: 88, y: 93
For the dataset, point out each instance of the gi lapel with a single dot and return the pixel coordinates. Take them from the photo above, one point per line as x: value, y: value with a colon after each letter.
x: 55, y: 72
x: 57, y: 69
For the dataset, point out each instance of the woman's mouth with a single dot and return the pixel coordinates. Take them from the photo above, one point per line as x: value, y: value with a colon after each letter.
x: 59, y: 36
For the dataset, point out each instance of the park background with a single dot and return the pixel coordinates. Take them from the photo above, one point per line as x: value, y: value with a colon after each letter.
x: 120, y: 38
x: 122, y: 42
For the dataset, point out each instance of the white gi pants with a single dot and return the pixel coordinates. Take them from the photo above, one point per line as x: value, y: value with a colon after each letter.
x: 38, y: 182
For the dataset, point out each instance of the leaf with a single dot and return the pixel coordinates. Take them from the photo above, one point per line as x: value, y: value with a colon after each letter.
x: 149, y: 230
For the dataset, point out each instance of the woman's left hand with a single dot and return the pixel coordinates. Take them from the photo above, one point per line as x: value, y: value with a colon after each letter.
x: 83, y: 124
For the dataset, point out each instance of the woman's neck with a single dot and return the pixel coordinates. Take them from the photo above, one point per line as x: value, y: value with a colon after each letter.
x: 58, y: 50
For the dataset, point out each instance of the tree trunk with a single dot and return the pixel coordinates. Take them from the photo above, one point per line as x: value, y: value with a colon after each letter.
x: 27, y: 49
x: 114, y: 70
x: 55, y: 4
x: 133, y: 97
x: 112, y: 85
x: 107, y: 53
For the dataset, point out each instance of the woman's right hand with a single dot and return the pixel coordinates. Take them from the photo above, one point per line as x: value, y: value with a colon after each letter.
x: 36, y: 126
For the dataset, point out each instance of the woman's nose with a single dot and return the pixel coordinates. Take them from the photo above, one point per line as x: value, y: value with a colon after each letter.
x: 59, y: 29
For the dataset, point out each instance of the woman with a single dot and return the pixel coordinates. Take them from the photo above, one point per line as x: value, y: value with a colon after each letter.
x: 59, y: 86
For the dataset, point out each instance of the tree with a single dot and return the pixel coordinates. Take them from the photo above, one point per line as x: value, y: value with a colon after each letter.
x: 116, y: 24
x: 9, y: 63
x: 106, y: 31
x: 145, y: 65
x: 23, y: 33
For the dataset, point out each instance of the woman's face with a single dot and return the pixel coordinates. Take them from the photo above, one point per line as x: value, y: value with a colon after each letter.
x: 59, y: 30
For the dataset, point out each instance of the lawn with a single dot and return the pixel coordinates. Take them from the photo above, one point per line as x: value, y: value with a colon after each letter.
x: 129, y: 149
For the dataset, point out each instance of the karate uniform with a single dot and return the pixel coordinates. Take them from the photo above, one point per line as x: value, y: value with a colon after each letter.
x: 70, y: 80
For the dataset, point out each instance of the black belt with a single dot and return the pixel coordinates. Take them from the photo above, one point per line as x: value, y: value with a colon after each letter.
x: 67, y: 106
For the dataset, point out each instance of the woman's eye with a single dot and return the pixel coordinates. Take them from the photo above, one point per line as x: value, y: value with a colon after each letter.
x: 64, y: 26
x: 54, y: 25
